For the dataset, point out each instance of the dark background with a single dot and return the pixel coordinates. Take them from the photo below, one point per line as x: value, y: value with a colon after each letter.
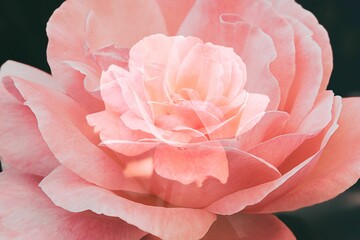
x: 23, y: 38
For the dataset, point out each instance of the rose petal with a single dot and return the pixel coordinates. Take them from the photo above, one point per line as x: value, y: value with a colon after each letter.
x: 256, y: 13
x: 338, y: 167
x: 308, y: 75
x: 168, y: 8
x: 237, y: 201
x: 270, y: 125
x: 112, y: 130
x: 19, y: 135
x: 91, y: 25
x: 320, y: 35
x: 275, y: 155
x: 27, y: 213
x: 73, y: 144
x: 18, y: 128
x: 253, y: 199
x: 319, y: 116
x: 242, y: 167
x: 166, y: 223
x: 192, y: 164
x: 245, y: 226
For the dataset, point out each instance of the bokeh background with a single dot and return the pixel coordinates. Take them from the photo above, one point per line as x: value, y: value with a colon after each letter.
x: 23, y: 38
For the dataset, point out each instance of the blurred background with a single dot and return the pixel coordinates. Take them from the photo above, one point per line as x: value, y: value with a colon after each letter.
x: 23, y: 38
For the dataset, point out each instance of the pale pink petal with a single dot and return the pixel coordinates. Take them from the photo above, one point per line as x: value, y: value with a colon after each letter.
x: 277, y: 149
x: 19, y: 136
x: 247, y: 117
x: 92, y: 26
x: 270, y: 125
x: 174, y: 13
x: 192, y: 164
x: 257, y: 13
x: 18, y: 128
x: 317, y: 139
x: 337, y: 169
x: 308, y: 76
x: 167, y: 223
x: 63, y: 126
x: 144, y: 16
x: 300, y: 167
x: 111, y: 92
x: 249, y: 226
x: 112, y: 130
x: 320, y: 35
x: 252, y: 41
x: 308, y: 148
x: 320, y: 115
x: 176, y: 138
x: 297, y: 168
x: 31, y: 74
x: 242, y: 167
x: 237, y: 201
x: 27, y: 213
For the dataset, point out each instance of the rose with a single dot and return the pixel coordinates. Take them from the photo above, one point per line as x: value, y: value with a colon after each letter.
x: 128, y: 135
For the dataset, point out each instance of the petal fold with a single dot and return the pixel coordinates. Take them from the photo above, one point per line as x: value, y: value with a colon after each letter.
x: 27, y: 213
x: 167, y: 223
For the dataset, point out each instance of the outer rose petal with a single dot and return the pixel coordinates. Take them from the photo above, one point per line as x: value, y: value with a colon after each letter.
x: 18, y: 129
x: 167, y: 223
x: 320, y: 35
x: 244, y: 226
x: 299, y: 169
x: 308, y: 76
x: 91, y: 26
x: 73, y: 144
x: 26, y: 213
x: 337, y: 169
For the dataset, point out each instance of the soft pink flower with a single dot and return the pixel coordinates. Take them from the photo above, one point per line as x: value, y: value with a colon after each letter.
x: 175, y: 119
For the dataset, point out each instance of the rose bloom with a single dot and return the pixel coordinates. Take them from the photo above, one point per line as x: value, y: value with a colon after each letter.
x: 173, y: 119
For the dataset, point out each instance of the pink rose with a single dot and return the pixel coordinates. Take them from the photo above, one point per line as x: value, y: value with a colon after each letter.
x: 176, y: 119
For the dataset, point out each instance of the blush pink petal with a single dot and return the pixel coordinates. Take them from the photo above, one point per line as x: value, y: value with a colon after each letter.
x: 19, y: 135
x: 317, y: 140
x: 27, y: 213
x: 192, y: 164
x: 91, y: 25
x: 248, y: 116
x: 169, y: 8
x: 241, y: 176
x: 320, y: 115
x: 73, y: 144
x: 337, y: 169
x: 112, y: 130
x: 277, y: 149
x: 144, y: 16
x: 293, y: 9
x: 205, y: 13
x: 167, y: 223
x: 238, y: 201
x: 252, y: 41
x: 18, y: 126
x: 312, y: 147
x: 297, y: 169
x: 249, y: 226
x: 271, y: 124
x: 308, y: 75
x: 111, y: 94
